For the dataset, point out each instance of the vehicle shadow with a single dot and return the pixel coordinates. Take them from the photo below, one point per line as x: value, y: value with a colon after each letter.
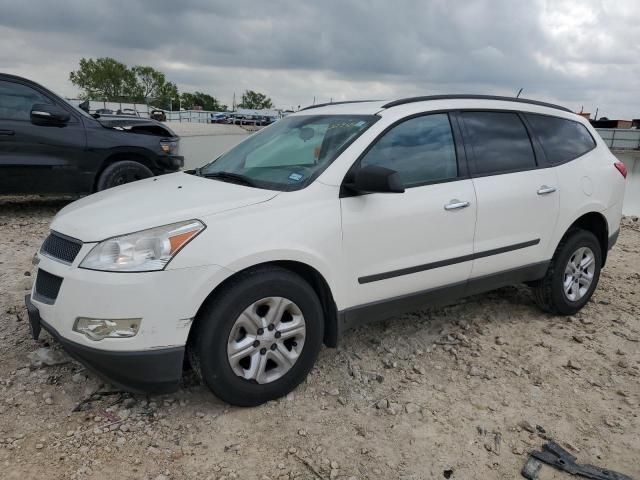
x: 11, y: 205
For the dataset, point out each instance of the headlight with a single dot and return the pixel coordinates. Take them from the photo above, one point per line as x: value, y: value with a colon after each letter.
x: 169, y: 146
x: 97, y: 329
x: 144, y: 251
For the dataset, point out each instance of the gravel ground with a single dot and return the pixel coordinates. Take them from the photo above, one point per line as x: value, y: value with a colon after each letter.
x: 462, y: 392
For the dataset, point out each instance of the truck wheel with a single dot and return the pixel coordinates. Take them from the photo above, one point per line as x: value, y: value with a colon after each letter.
x: 258, y: 338
x: 122, y: 172
x: 572, y: 276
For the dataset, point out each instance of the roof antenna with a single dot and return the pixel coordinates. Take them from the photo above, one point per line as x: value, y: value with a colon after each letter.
x: 519, y: 92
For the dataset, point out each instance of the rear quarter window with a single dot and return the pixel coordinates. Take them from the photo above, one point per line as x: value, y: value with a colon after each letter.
x: 562, y: 140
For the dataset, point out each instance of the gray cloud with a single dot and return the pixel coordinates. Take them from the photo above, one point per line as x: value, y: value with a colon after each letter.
x: 575, y: 52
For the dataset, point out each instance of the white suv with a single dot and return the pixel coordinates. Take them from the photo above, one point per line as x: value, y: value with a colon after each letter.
x: 333, y: 216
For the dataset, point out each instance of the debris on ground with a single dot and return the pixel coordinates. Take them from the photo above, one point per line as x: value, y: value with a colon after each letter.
x: 48, y: 357
x: 556, y: 456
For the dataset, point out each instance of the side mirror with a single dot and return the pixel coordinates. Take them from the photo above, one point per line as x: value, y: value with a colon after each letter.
x: 374, y: 179
x: 45, y: 113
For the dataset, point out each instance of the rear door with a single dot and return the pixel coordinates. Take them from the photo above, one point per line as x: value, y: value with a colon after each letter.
x: 36, y: 158
x: 518, y: 198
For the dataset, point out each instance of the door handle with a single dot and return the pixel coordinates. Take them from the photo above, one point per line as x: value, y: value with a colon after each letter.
x: 456, y: 204
x: 546, y: 189
x: 7, y: 132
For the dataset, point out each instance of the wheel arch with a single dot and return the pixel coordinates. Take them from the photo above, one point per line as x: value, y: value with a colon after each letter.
x: 307, y: 272
x: 124, y: 155
x: 596, y: 223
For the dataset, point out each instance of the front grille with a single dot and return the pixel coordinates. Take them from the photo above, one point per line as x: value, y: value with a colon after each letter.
x: 47, y: 287
x: 61, y: 248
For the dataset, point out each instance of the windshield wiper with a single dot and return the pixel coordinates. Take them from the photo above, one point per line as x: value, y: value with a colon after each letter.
x: 228, y: 176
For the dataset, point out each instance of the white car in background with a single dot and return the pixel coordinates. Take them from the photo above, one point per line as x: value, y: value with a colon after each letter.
x: 333, y: 216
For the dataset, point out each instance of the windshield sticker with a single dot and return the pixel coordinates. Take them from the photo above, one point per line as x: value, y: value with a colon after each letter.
x: 296, y: 177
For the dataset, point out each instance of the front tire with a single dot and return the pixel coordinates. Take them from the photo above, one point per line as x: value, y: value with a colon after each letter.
x: 258, y: 337
x: 122, y: 172
x: 572, y: 276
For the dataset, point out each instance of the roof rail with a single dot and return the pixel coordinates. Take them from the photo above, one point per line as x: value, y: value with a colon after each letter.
x: 335, y: 103
x: 404, y: 101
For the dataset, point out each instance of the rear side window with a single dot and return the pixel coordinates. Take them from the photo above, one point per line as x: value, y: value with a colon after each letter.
x: 420, y: 149
x: 499, y: 141
x: 562, y: 140
x: 16, y: 100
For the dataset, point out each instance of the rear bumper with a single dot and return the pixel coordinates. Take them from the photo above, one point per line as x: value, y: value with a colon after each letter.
x: 148, y: 371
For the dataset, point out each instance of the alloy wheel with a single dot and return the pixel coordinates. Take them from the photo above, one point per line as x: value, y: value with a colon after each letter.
x: 266, y: 340
x: 579, y: 273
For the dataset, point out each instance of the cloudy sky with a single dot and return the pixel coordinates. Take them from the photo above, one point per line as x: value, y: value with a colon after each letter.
x: 574, y: 52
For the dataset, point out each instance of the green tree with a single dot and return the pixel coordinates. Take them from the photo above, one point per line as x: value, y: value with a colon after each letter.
x: 200, y: 99
x: 255, y: 100
x: 105, y: 79
x: 154, y: 88
x: 150, y: 81
x: 168, y: 97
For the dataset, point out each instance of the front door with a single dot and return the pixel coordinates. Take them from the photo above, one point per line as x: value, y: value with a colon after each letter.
x: 397, y: 244
x: 36, y: 158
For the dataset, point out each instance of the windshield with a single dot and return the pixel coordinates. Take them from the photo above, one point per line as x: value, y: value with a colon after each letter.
x: 291, y: 153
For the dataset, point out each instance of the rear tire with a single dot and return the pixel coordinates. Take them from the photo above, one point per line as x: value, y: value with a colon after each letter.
x: 122, y: 172
x: 217, y: 328
x: 565, y: 289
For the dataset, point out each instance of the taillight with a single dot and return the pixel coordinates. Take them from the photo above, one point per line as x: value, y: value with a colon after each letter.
x: 621, y: 168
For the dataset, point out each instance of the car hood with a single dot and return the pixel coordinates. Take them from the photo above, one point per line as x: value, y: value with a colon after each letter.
x: 151, y: 203
x: 136, y: 125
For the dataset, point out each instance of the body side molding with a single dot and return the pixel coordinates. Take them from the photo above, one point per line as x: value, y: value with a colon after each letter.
x: 443, y: 263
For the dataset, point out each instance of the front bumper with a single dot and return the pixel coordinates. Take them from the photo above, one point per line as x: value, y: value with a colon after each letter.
x: 171, y: 163
x: 147, y: 371
x: 166, y: 301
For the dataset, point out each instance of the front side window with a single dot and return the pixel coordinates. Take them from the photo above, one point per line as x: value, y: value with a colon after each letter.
x: 290, y: 153
x: 499, y: 141
x: 562, y: 140
x: 420, y: 149
x: 16, y: 100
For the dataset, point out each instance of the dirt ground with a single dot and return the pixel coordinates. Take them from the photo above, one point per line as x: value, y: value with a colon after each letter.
x: 462, y: 392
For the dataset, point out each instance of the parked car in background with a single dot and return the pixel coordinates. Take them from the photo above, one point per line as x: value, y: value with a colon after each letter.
x: 49, y: 146
x: 104, y: 111
x: 332, y: 217
x: 158, y: 115
x: 236, y: 119
x: 128, y: 112
x: 219, y: 118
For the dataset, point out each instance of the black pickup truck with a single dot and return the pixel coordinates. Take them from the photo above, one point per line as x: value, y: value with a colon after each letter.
x: 49, y: 146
